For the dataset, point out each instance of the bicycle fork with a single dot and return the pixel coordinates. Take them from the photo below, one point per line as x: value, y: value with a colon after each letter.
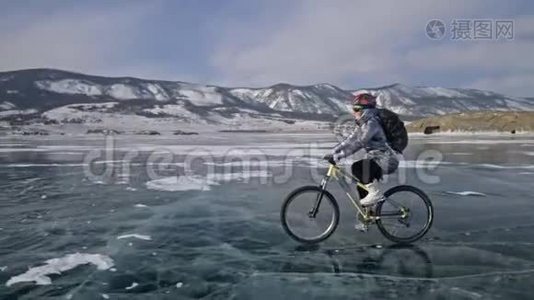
x: 315, y: 209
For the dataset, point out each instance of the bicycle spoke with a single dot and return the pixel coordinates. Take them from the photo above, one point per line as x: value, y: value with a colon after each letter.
x: 403, y: 215
x: 390, y: 214
x: 298, y: 215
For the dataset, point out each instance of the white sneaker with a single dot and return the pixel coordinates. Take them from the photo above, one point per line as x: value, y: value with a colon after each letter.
x: 374, y: 196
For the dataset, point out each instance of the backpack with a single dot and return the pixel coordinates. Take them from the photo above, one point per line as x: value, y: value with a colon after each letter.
x: 394, y: 129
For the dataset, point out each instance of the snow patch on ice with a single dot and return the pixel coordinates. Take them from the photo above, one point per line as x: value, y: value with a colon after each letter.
x: 14, y: 112
x: 139, y: 205
x: 7, y: 105
x: 135, y: 236
x: 201, y: 183
x: 39, y: 275
x: 220, y: 177
x: 504, y: 167
x: 419, y: 164
x: 467, y: 193
x: 132, y: 286
x: 2, y: 269
x: 182, y: 183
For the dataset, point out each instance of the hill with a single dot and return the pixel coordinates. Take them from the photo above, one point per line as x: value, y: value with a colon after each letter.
x: 475, y: 122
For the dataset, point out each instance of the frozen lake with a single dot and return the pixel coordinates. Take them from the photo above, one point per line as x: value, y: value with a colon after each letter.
x: 186, y: 217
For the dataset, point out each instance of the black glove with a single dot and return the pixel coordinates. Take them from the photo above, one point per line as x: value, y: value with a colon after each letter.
x: 330, y: 158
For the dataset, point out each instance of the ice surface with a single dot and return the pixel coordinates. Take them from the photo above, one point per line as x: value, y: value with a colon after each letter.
x: 57, y: 164
x: 230, y: 244
x: 39, y: 275
x: 7, y: 113
x: 135, y: 236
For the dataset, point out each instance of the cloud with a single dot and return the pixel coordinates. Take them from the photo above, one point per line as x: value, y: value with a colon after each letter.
x: 85, y: 40
x: 466, y: 56
x: 353, y: 43
x: 501, y: 55
x: 501, y: 66
x: 349, y: 43
x: 519, y: 85
x: 331, y: 41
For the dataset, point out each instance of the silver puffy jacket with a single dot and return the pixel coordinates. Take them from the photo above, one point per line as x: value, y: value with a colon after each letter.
x: 370, y: 136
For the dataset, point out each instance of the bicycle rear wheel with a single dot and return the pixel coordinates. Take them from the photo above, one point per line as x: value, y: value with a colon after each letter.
x: 297, y: 215
x: 406, y: 215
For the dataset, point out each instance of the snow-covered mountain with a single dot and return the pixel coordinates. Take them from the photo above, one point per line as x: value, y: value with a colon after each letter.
x: 315, y: 99
x: 58, y: 97
x: 431, y: 101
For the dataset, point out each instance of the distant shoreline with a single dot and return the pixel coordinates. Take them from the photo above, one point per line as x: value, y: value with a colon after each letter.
x: 504, y: 122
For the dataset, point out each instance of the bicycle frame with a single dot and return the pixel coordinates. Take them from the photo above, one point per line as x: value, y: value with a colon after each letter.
x: 339, y: 175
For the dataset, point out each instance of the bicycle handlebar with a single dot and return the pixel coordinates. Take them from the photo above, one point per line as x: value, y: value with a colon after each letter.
x: 330, y: 159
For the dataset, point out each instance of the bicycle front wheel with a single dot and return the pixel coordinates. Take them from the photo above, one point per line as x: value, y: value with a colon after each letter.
x: 406, y: 215
x: 298, y: 217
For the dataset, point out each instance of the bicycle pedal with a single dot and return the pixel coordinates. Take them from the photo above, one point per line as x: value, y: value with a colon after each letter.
x: 369, y: 211
x: 361, y: 227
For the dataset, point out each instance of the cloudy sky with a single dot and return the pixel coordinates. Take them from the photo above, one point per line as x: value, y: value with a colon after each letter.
x: 348, y: 43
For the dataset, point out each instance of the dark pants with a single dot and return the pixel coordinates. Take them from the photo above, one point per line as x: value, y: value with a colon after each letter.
x: 366, y: 170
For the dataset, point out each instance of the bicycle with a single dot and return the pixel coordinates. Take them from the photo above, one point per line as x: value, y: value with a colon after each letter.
x: 388, y: 214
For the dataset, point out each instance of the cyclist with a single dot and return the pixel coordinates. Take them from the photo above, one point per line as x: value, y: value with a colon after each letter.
x: 380, y: 158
